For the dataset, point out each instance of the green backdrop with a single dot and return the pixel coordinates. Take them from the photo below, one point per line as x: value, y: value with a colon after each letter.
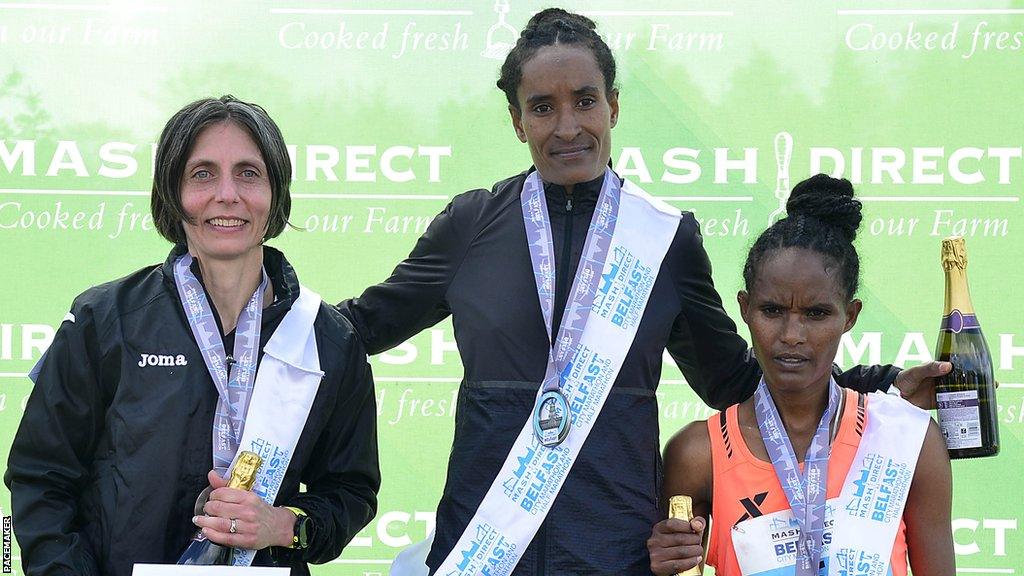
x: 391, y: 109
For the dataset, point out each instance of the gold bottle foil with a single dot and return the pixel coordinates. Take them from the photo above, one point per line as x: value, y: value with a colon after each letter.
x: 954, y: 253
x: 954, y: 263
x: 682, y: 507
x: 243, y: 474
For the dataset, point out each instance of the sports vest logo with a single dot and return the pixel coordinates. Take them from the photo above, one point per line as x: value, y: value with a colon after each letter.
x: 751, y: 507
x: 162, y: 360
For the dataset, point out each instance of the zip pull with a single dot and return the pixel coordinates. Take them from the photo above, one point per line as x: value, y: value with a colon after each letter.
x: 568, y: 204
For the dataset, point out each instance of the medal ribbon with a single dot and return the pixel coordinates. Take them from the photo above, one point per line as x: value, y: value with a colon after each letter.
x: 523, y: 491
x: 804, y: 491
x: 588, y: 274
x: 234, y: 381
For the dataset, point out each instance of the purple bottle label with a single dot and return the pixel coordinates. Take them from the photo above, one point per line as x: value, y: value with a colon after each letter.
x: 957, y: 321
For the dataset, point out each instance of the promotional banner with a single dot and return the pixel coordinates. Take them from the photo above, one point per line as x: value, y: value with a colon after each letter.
x: 390, y: 109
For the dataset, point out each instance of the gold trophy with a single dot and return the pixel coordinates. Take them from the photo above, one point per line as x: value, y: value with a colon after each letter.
x: 682, y: 507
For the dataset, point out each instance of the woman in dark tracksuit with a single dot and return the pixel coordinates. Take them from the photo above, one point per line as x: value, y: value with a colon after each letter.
x: 116, y: 440
x: 473, y: 263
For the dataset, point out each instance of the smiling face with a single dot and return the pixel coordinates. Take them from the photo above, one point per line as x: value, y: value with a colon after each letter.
x: 225, y: 189
x: 565, y: 114
x: 796, y: 312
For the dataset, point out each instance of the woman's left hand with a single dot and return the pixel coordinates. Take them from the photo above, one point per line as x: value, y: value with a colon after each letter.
x: 257, y: 524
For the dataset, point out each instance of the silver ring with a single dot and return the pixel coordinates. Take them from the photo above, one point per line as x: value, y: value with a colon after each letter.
x: 234, y: 526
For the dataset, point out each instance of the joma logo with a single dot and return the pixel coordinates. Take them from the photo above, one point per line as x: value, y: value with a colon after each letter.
x: 162, y: 360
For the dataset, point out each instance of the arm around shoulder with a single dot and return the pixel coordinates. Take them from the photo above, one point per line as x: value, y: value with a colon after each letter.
x: 413, y: 297
x: 867, y: 378
x: 704, y: 342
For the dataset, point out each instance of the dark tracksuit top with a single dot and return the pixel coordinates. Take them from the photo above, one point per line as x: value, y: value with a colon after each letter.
x: 473, y: 263
x: 110, y: 456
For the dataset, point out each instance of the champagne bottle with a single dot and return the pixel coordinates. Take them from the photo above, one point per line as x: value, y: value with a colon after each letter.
x: 966, y: 397
x: 203, y: 552
x: 681, y: 506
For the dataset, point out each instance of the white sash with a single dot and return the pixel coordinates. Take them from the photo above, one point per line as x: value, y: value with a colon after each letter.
x: 861, y: 524
x: 532, y: 475
x: 876, y: 489
x: 286, y: 384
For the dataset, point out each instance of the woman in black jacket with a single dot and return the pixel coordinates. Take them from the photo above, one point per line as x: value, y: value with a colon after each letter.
x: 155, y: 381
x: 476, y: 263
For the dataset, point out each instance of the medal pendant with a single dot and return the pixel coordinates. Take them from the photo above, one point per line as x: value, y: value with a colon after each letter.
x: 551, y: 418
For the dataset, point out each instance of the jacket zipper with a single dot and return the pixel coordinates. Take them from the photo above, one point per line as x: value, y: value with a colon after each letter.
x: 566, y: 259
x: 541, y: 536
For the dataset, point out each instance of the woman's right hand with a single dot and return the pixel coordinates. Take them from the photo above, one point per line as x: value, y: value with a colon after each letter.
x: 675, y: 545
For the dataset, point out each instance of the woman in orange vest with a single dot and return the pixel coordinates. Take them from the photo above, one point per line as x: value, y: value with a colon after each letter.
x: 805, y: 478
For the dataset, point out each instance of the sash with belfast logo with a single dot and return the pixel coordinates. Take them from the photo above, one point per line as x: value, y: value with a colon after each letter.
x: 611, y: 308
x: 268, y: 415
x: 875, y: 491
x: 860, y: 525
x: 286, y: 384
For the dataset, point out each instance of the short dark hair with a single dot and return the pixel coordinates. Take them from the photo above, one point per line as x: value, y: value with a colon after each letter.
x: 823, y: 216
x: 547, y: 28
x: 176, y: 141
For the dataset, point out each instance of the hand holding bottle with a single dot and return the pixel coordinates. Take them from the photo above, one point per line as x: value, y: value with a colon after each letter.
x: 201, y: 550
x: 917, y: 384
x: 257, y: 524
x: 675, y: 545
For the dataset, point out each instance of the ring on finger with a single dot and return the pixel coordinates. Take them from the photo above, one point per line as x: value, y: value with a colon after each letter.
x: 234, y: 526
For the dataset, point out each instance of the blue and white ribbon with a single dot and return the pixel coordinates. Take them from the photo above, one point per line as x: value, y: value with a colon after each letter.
x: 804, y: 490
x: 234, y: 380
x: 286, y: 386
x: 862, y: 522
x: 609, y: 295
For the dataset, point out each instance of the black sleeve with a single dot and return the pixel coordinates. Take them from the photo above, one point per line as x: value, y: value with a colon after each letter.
x: 343, y: 477
x: 413, y: 298
x: 715, y: 360
x: 703, y: 342
x: 51, y: 457
x: 867, y: 378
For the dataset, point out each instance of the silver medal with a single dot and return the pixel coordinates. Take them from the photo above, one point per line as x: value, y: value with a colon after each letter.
x: 551, y: 418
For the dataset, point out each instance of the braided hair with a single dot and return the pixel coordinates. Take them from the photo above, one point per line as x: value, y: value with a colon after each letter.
x: 547, y: 28
x: 823, y: 216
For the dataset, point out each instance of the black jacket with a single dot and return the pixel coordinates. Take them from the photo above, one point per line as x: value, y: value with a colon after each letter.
x: 473, y: 263
x: 110, y: 456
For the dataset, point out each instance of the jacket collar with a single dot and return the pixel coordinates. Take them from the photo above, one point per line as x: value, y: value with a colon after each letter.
x: 584, y: 195
x: 279, y: 270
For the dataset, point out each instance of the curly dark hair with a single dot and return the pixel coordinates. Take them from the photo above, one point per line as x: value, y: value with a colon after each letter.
x: 823, y: 216
x: 547, y: 28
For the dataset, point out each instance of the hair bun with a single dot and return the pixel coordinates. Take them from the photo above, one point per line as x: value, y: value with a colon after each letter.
x: 828, y: 199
